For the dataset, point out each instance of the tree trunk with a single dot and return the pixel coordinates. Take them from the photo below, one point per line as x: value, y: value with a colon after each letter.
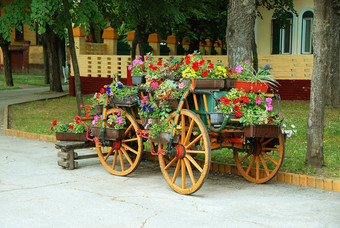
x: 54, y: 66
x: 137, y: 40
x: 240, y: 28
x: 315, y: 124
x: 46, y: 63
x: 61, y: 54
x: 7, y: 62
x: 333, y: 81
x: 254, y: 50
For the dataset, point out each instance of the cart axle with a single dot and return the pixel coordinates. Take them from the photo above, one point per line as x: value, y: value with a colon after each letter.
x: 178, y: 151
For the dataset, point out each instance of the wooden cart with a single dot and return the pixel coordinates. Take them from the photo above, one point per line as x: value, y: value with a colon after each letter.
x: 258, y: 152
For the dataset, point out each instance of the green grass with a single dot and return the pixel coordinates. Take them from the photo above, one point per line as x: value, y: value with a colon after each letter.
x: 4, y: 87
x: 37, y: 117
x: 28, y: 79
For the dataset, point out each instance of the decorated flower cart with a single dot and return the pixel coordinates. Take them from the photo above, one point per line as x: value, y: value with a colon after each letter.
x: 182, y: 116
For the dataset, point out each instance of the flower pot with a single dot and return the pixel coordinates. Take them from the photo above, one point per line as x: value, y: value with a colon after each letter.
x: 99, y: 109
x: 126, y: 101
x: 154, y: 120
x: 163, y: 137
x: 229, y: 83
x: 255, y: 87
x: 262, y: 130
x: 216, y: 118
x: 172, y: 102
x: 69, y: 136
x: 110, y: 133
x: 137, y: 80
x: 206, y: 83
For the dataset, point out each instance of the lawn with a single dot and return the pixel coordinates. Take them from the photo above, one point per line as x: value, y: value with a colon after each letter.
x: 37, y: 117
x: 26, y: 79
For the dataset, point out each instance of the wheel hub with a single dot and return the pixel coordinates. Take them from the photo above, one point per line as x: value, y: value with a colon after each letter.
x: 116, y: 145
x: 256, y: 148
x: 178, y: 151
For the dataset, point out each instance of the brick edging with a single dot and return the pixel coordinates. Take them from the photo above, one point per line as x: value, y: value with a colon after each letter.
x: 289, y: 178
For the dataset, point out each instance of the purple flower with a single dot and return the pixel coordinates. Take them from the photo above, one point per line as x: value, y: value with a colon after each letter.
x: 267, y: 66
x: 144, y: 108
x: 108, y: 89
x: 150, y: 110
x: 239, y: 69
x: 119, y: 86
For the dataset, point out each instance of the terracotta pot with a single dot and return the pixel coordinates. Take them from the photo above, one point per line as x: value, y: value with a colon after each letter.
x: 110, y: 133
x: 163, y: 137
x: 262, y: 130
x: 206, y: 83
x: 137, y: 80
x: 255, y: 87
x: 68, y: 136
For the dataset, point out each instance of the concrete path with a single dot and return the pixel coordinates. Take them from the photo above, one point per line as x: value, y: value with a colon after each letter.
x: 35, y: 192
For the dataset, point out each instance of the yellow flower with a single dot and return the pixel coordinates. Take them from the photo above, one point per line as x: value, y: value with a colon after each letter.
x: 189, y: 73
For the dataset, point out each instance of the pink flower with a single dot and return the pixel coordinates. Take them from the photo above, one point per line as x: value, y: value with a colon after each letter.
x: 145, y: 98
x: 239, y: 69
x: 119, y: 113
x: 247, y: 62
x: 269, y: 100
x: 119, y: 120
x: 181, y: 85
x: 129, y: 67
x: 258, y: 100
x: 269, y: 107
x: 280, y: 116
x: 142, y: 103
x: 111, y: 93
x: 96, y: 118
x: 154, y: 85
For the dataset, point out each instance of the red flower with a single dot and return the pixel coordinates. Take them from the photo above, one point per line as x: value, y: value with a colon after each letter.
x: 195, y: 65
x: 238, y: 114
x: 224, y: 100
x: 159, y: 63
x: 211, y: 66
x: 71, y: 126
x: 78, y: 120
x: 97, y: 95
x: 102, y: 90
x: 205, y: 73
x: 81, y: 106
x: 201, y: 62
x: 87, y: 115
x: 246, y: 99
x: 234, y: 102
x: 187, y: 61
x: 52, y: 129
x: 54, y: 122
x: 236, y: 107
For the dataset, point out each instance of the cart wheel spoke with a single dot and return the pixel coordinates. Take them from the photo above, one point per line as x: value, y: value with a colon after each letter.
x: 195, y: 139
x: 129, y: 149
x: 258, y: 166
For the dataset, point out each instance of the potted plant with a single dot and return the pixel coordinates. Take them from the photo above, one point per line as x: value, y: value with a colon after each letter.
x: 160, y: 132
x: 98, y: 100
x: 114, y: 126
x: 249, y: 80
x: 254, y: 111
x: 172, y: 68
x: 169, y: 93
x: 137, y: 71
x: 152, y: 112
x: 74, y: 131
x: 204, y: 75
x: 123, y: 95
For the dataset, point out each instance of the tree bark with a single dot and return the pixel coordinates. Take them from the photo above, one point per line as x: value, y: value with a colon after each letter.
x: 315, y: 124
x: 240, y: 29
x: 46, y: 63
x: 137, y: 40
x: 333, y: 81
x: 54, y: 66
x: 7, y: 62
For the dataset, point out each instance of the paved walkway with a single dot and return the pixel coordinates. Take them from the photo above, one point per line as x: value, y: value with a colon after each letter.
x: 35, y: 192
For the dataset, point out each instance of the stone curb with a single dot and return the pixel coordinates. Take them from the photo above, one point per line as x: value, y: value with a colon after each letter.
x: 230, y: 169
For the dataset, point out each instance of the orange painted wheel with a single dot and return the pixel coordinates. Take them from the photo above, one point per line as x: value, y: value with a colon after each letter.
x: 123, y: 158
x: 184, y: 173
x: 263, y: 159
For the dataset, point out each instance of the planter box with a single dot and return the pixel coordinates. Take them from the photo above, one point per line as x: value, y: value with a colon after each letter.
x: 154, y: 120
x: 99, y: 109
x: 229, y: 83
x: 126, y: 101
x: 206, y: 83
x: 216, y: 118
x: 137, y: 80
x: 172, y: 102
x: 68, y: 136
x: 110, y: 133
x: 255, y: 87
x: 269, y: 131
x: 164, y: 137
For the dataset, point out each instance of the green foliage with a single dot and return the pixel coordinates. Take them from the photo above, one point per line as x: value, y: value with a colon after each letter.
x: 117, y: 121
x: 120, y: 90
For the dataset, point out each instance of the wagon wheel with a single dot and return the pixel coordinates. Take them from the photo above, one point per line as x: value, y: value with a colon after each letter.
x: 183, y: 173
x: 263, y: 159
x: 124, y: 156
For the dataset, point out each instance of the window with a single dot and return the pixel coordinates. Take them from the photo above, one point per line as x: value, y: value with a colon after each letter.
x: 306, y: 41
x: 19, y: 35
x: 282, y: 42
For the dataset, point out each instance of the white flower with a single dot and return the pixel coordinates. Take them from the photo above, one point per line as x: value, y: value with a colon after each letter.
x: 293, y: 126
x: 294, y: 131
x: 284, y: 125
